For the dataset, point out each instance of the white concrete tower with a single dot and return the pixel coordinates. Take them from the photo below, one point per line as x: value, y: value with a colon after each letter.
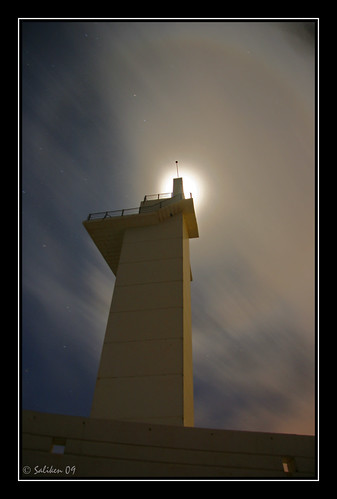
x: 145, y: 372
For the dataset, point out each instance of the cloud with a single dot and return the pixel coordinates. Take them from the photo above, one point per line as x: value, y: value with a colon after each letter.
x: 258, y: 379
x: 253, y: 353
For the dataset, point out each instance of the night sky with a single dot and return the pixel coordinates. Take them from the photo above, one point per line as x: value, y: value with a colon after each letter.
x: 107, y: 107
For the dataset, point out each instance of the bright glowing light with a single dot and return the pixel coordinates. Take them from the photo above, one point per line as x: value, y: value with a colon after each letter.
x: 192, y: 183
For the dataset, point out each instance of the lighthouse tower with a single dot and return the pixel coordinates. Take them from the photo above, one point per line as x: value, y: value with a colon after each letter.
x: 145, y: 372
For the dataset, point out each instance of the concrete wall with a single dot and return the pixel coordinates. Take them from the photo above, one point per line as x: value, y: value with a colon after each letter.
x: 145, y: 371
x: 94, y: 448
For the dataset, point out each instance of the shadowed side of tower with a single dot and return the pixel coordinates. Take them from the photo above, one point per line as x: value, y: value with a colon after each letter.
x: 145, y: 372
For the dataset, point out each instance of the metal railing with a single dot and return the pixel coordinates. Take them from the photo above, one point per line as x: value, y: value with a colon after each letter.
x: 153, y: 197
x: 116, y: 213
x: 136, y: 211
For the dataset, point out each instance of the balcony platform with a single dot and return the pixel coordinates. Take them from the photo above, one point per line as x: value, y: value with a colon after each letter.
x: 107, y: 228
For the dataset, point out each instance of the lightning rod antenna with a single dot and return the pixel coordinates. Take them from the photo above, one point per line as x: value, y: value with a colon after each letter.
x: 177, y: 168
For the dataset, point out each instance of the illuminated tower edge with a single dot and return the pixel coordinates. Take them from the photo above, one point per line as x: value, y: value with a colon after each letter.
x: 145, y: 372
